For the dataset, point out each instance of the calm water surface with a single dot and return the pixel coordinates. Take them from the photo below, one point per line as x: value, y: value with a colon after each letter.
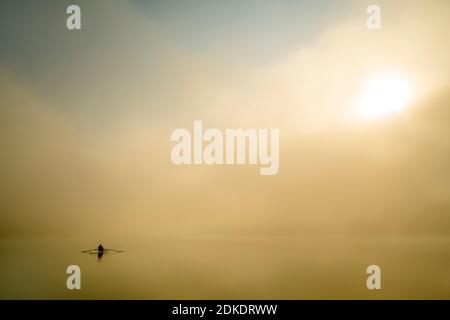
x: 228, y: 268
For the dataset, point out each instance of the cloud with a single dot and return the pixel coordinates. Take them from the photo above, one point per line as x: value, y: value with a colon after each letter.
x: 88, y: 143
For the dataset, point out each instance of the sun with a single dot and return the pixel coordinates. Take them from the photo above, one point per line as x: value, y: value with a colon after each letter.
x: 383, y: 95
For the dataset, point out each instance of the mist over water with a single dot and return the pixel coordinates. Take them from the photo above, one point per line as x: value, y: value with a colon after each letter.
x: 85, y: 124
x: 309, y: 267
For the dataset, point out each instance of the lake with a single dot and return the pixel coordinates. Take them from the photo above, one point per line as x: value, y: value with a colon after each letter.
x: 308, y: 267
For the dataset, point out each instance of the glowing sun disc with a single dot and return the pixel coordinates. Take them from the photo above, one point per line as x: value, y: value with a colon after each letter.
x: 383, y: 95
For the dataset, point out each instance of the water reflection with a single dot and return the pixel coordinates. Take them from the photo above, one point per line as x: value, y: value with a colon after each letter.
x: 100, y: 255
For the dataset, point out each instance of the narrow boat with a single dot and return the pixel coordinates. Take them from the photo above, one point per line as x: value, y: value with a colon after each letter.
x: 100, y: 250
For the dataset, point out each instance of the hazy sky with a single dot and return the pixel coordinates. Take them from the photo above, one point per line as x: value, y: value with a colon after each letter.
x: 86, y: 117
x: 142, y: 40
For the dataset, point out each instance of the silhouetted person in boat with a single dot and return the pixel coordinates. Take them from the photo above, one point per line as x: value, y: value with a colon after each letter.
x: 100, y: 248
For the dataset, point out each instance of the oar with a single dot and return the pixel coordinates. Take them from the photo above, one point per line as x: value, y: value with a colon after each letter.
x: 84, y: 251
x: 114, y: 250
